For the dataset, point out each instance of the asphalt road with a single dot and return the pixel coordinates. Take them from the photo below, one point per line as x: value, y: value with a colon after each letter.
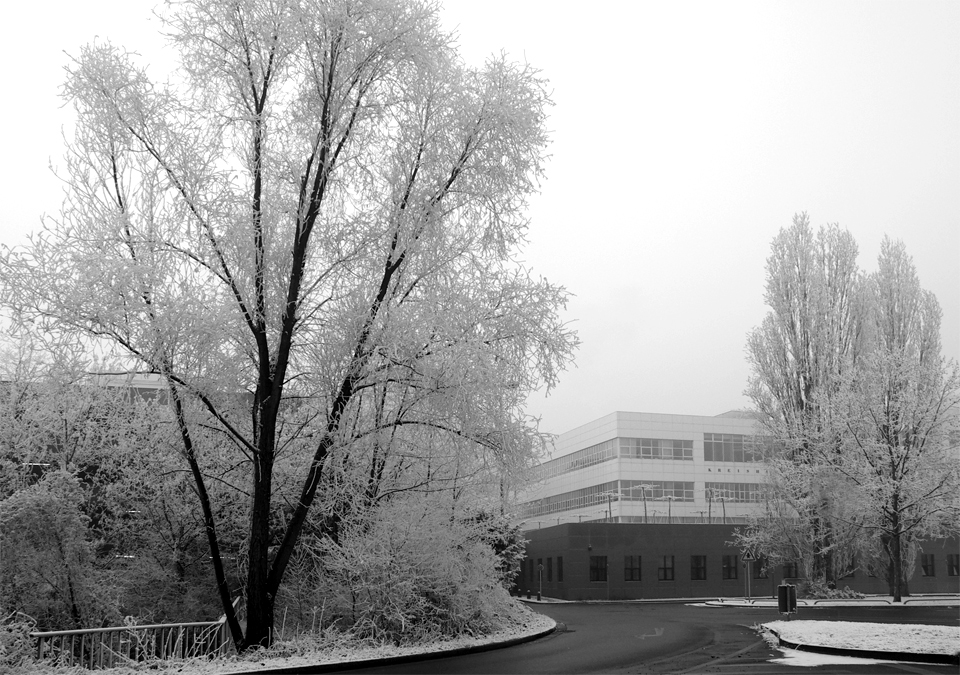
x: 669, y: 638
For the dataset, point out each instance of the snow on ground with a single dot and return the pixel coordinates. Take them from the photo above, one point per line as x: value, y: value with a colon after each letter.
x: 792, y: 657
x: 881, y: 637
x: 525, y: 624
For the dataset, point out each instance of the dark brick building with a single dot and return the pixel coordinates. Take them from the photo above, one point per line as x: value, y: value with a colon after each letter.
x: 619, y: 561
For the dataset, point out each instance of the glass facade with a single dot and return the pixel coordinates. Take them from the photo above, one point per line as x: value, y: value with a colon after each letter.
x: 733, y: 492
x: 634, y: 490
x: 656, y: 448
x: 733, y: 448
x: 575, y: 499
x: 595, y: 454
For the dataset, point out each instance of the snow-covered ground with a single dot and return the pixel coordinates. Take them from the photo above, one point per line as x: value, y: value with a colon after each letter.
x: 875, y: 637
x: 522, y: 623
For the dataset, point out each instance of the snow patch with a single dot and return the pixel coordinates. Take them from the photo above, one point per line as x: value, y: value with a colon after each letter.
x: 881, y: 637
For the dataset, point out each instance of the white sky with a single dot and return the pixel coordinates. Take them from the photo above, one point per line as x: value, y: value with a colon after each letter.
x: 685, y: 135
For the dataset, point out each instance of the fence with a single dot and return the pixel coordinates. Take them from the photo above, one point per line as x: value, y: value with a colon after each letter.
x: 108, y: 647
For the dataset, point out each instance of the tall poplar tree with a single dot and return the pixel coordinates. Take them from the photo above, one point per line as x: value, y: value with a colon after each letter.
x: 811, y: 334
x: 897, y: 412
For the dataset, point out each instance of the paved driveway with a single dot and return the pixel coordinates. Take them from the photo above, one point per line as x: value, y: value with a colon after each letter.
x: 667, y: 638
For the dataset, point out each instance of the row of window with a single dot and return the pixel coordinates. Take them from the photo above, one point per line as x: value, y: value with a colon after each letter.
x: 733, y: 492
x: 580, y: 459
x: 733, y: 448
x: 639, y: 490
x: 716, y: 448
x: 666, y: 569
x: 656, y: 448
x: 533, y: 572
x: 575, y: 499
x: 928, y: 565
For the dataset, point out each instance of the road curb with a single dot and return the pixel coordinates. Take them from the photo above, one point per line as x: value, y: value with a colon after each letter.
x: 395, y: 660
x: 913, y: 657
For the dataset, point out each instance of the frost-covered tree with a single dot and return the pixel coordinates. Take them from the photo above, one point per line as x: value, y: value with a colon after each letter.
x: 310, y: 234
x: 135, y: 507
x: 810, y: 336
x: 898, y: 414
x: 47, y: 567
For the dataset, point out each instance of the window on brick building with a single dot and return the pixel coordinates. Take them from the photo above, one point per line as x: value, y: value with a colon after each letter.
x: 729, y: 567
x: 698, y: 567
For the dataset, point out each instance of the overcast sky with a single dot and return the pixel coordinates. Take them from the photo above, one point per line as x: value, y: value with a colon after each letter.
x: 685, y: 135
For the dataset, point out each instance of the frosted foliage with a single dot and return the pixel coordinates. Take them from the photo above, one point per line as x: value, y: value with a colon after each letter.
x: 414, y: 574
x: 47, y: 561
x: 863, y: 417
x: 323, y: 211
x: 810, y: 336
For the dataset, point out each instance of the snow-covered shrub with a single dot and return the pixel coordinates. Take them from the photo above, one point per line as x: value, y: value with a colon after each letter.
x: 48, y: 561
x: 16, y: 645
x: 817, y: 590
x: 409, y: 573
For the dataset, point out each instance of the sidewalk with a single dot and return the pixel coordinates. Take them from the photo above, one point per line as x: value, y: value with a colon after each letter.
x: 940, y: 600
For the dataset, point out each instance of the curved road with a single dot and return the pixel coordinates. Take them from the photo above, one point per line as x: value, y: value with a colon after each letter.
x: 667, y: 638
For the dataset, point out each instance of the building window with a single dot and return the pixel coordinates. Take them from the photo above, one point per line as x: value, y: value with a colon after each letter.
x: 631, y: 568
x: 759, y: 568
x: 665, y: 571
x: 926, y: 563
x: 733, y: 492
x: 732, y: 448
x: 953, y: 564
x: 729, y: 567
x: 575, y: 499
x: 790, y: 570
x: 595, y: 454
x: 698, y: 567
x: 598, y: 568
x: 638, y: 490
x: 549, y: 569
x: 559, y: 568
x: 656, y: 448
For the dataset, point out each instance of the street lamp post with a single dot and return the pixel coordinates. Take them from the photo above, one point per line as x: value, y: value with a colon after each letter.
x: 669, y: 500
x: 643, y: 487
x: 610, y: 495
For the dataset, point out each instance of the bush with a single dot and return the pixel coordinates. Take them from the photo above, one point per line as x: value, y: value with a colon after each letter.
x: 410, y: 574
x: 818, y: 590
x: 16, y: 645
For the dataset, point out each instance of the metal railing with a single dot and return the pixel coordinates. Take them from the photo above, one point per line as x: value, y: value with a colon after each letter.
x: 118, y: 645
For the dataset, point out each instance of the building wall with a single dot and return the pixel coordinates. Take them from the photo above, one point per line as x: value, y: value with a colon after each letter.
x: 576, y: 543
x: 621, y: 471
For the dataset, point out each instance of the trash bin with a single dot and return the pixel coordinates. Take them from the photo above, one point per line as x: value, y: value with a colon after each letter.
x: 787, y: 599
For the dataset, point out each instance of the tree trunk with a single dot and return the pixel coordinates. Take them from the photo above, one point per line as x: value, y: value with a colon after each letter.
x: 260, y: 599
x: 896, y: 568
